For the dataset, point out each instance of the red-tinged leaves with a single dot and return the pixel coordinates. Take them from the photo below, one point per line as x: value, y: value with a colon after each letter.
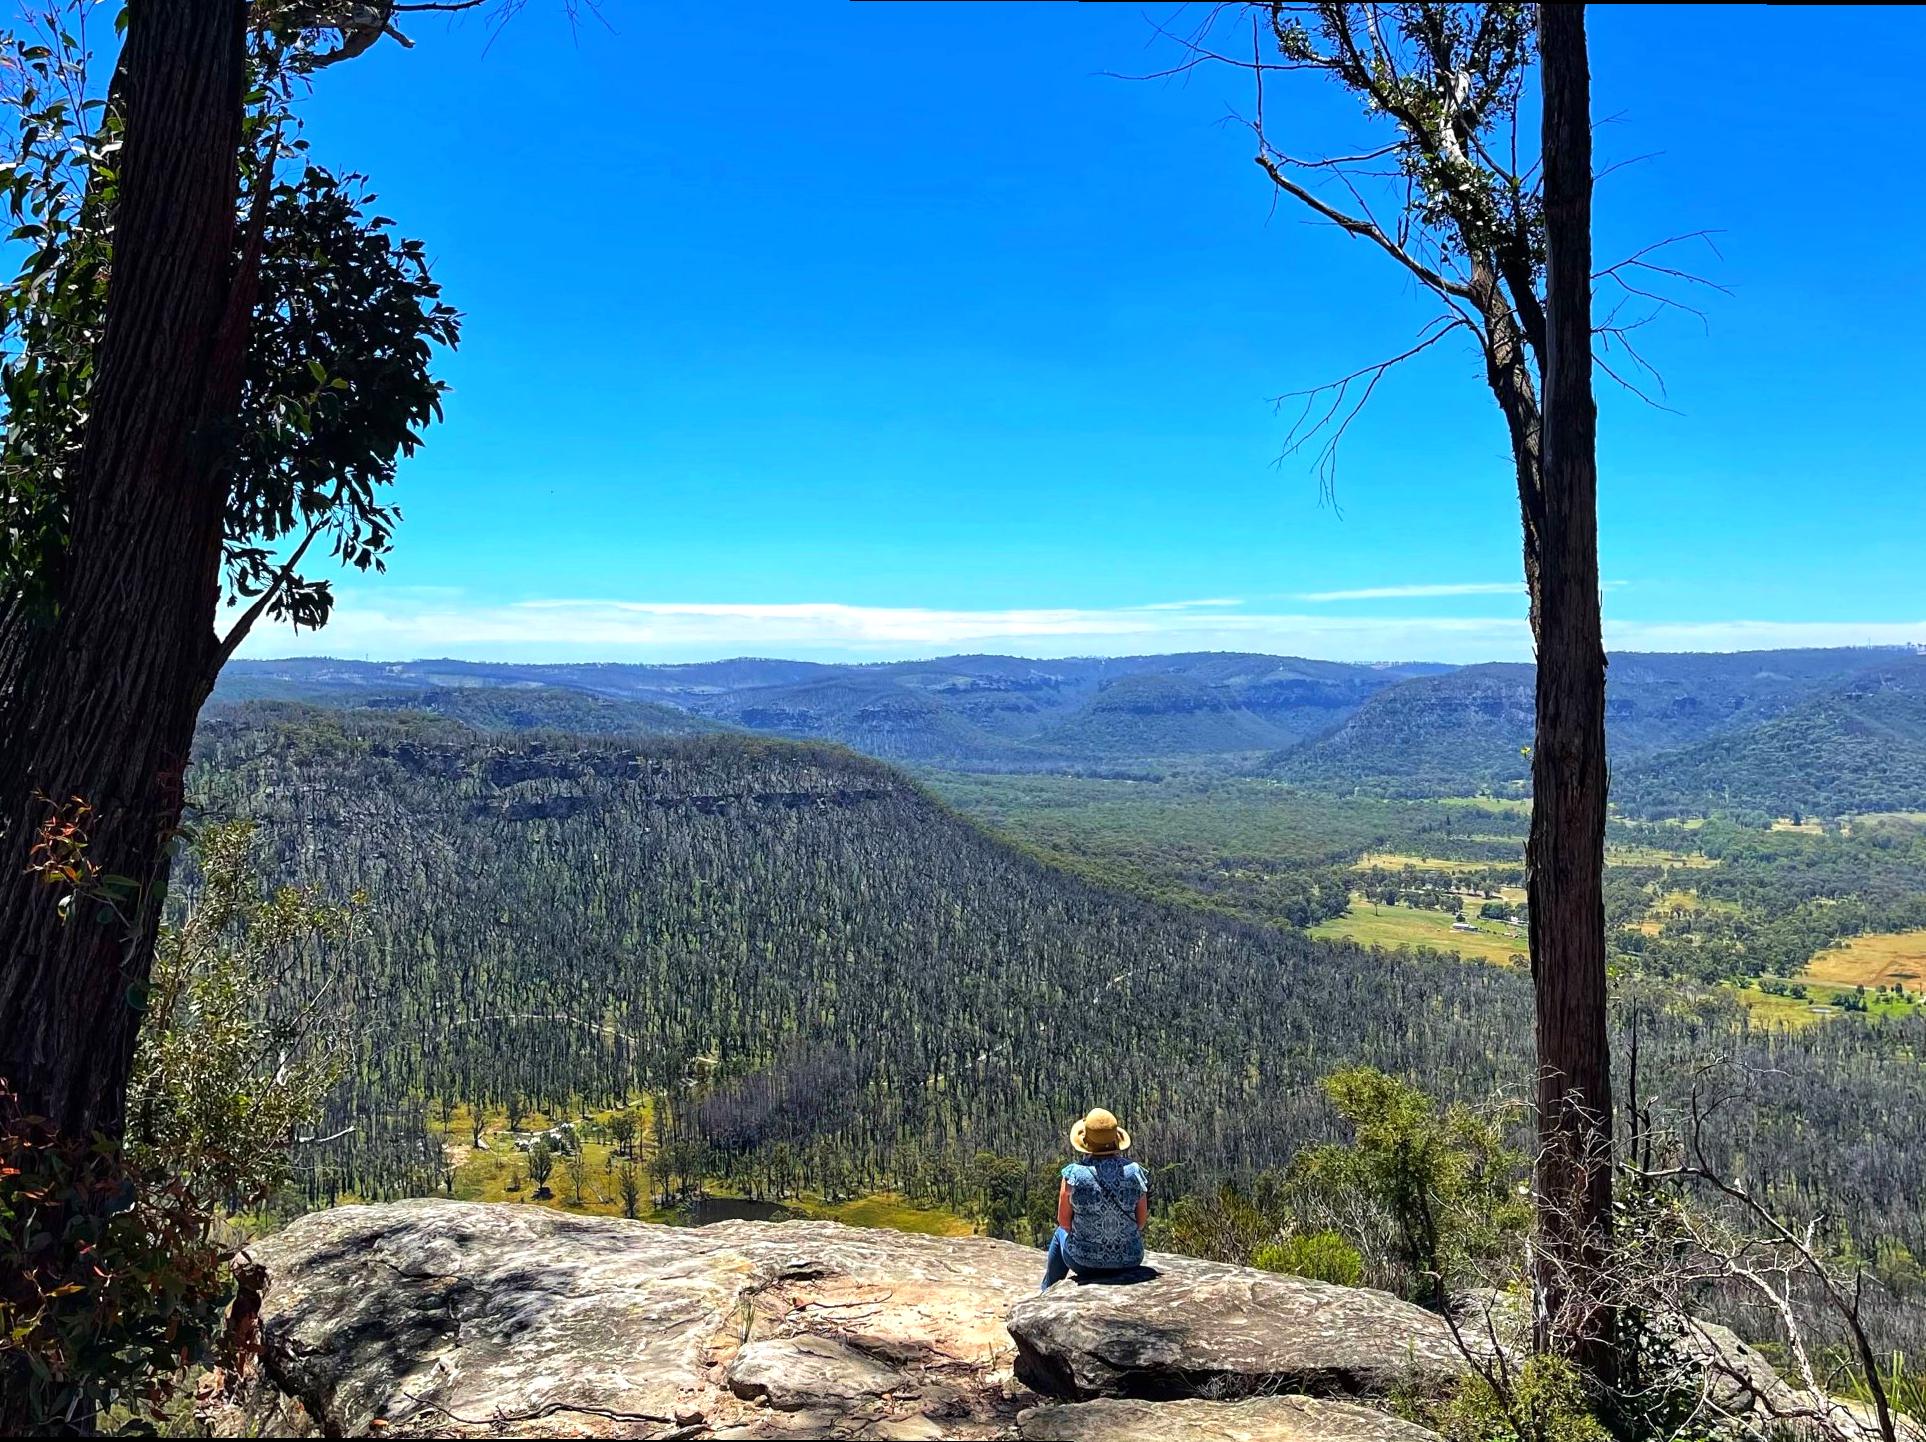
x: 109, y: 1277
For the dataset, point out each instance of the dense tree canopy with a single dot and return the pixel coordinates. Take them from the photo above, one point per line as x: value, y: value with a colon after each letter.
x: 829, y: 982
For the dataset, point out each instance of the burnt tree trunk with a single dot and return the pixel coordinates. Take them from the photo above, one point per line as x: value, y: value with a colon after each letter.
x: 1567, y: 847
x: 99, y: 701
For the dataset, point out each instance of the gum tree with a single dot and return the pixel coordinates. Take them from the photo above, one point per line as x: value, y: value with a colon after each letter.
x: 1452, y: 193
x: 213, y: 356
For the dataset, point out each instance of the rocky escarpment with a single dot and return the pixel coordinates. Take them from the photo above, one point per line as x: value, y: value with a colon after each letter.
x: 449, y: 1319
x: 431, y: 1318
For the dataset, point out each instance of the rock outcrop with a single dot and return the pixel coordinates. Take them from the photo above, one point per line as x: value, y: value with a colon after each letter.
x: 1254, y: 1419
x: 451, y: 1319
x: 1201, y: 1329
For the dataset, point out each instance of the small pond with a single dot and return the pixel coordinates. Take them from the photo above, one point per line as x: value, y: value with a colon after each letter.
x: 704, y: 1210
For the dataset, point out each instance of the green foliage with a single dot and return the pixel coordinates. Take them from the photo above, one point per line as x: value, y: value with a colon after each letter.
x: 1860, y: 748
x: 1322, y: 1256
x: 1011, y: 1200
x: 337, y: 381
x: 1904, y: 1386
x: 229, y: 1065
x: 1462, y: 73
x: 111, y: 1281
x: 575, y: 1165
x: 1541, y: 1399
x: 541, y: 1165
x: 1225, y: 1223
x: 840, y: 986
x: 1442, y: 1177
x: 112, y: 1258
x: 1419, y: 1195
x: 622, y: 1131
x: 629, y: 1180
x: 57, y: 178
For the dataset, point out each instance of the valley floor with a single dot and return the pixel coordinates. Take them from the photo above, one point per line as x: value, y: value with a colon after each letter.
x: 497, y: 1171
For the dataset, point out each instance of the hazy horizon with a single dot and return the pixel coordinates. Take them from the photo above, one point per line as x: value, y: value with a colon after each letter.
x: 1897, y: 648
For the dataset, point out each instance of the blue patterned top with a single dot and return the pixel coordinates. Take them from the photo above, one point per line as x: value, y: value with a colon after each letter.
x: 1103, y: 1214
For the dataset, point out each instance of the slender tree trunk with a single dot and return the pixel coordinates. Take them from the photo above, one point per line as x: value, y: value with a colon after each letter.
x: 1567, y: 847
x: 99, y: 703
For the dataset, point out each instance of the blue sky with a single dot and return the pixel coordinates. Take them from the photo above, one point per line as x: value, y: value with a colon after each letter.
x: 896, y: 329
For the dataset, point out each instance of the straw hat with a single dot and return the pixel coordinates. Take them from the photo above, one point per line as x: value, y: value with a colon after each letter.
x: 1098, y: 1134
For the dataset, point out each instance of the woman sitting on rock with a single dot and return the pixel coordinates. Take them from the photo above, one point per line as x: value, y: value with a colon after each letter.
x: 1101, y: 1207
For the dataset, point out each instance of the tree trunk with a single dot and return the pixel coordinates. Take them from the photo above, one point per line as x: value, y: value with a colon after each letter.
x: 99, y: 702
x: 1566, y: 856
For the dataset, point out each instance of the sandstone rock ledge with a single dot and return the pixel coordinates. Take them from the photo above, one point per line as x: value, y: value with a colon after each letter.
x: 448, y: 1319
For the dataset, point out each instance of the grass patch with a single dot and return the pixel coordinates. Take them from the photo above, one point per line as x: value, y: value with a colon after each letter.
x: 1404, y: 926
x: 1657, y: 856
x: 887, y: 1210
x: 1502, y: 805
x: 1778, y: 1013
x: 1876, y: 960
x: 1398, y: 861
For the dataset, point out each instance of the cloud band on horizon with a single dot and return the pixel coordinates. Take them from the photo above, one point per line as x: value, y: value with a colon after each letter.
x: 403, y: 626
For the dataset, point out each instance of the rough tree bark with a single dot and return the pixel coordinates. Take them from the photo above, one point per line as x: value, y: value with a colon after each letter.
x: 100, y: 701
x: 1448, y: 76
x: 1566, y: 856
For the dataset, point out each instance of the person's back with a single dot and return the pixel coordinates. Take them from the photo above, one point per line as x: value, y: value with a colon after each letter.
x: 1102, y: 1205
x: 1104, y: 1235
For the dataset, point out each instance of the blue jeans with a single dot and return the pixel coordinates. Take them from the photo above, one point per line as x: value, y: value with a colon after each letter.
x: 1056, y: 1266
x: 1056, y: 1263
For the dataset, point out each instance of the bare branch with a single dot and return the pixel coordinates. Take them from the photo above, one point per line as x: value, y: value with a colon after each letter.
x: 1337, y: 416
x: 1365, y: 229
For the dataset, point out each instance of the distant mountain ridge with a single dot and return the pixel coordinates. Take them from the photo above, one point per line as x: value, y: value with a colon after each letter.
x: 1854, y: 748
x: 1473, y: 726
x: 984, y: 712
x: 1807, y: 729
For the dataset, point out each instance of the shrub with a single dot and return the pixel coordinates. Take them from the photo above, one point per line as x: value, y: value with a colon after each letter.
x: 1543, y: 1401
x: 228, y: 1069
x: 111, y: 1281
x: 1321, y: 1256
x: 1443, y: 1184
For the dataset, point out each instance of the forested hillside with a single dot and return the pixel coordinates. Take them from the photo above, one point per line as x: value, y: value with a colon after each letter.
x: 1471, y: 728
x: 822, y: 971
x: 983, y: 712
x: 545, y: 708
x: 1861, y: 748
x: 1821, y: 731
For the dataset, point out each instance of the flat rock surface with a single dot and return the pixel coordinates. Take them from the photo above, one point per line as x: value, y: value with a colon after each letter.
x: 1202, y: 1329
x: 1254, y: 1419
x: 452, y: 1319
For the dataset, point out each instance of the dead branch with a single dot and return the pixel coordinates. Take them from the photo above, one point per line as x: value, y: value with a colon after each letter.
x: 1336, y: 417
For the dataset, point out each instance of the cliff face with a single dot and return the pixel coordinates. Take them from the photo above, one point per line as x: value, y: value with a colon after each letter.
x: 450, y: 1319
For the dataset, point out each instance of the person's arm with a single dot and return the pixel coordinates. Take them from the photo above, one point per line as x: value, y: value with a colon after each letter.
x: 1143, y: 1210
x: 1063, y: 1205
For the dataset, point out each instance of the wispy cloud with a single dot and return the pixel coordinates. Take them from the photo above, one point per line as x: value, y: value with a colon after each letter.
x: 388, y: 626
x: 1406, y: 593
